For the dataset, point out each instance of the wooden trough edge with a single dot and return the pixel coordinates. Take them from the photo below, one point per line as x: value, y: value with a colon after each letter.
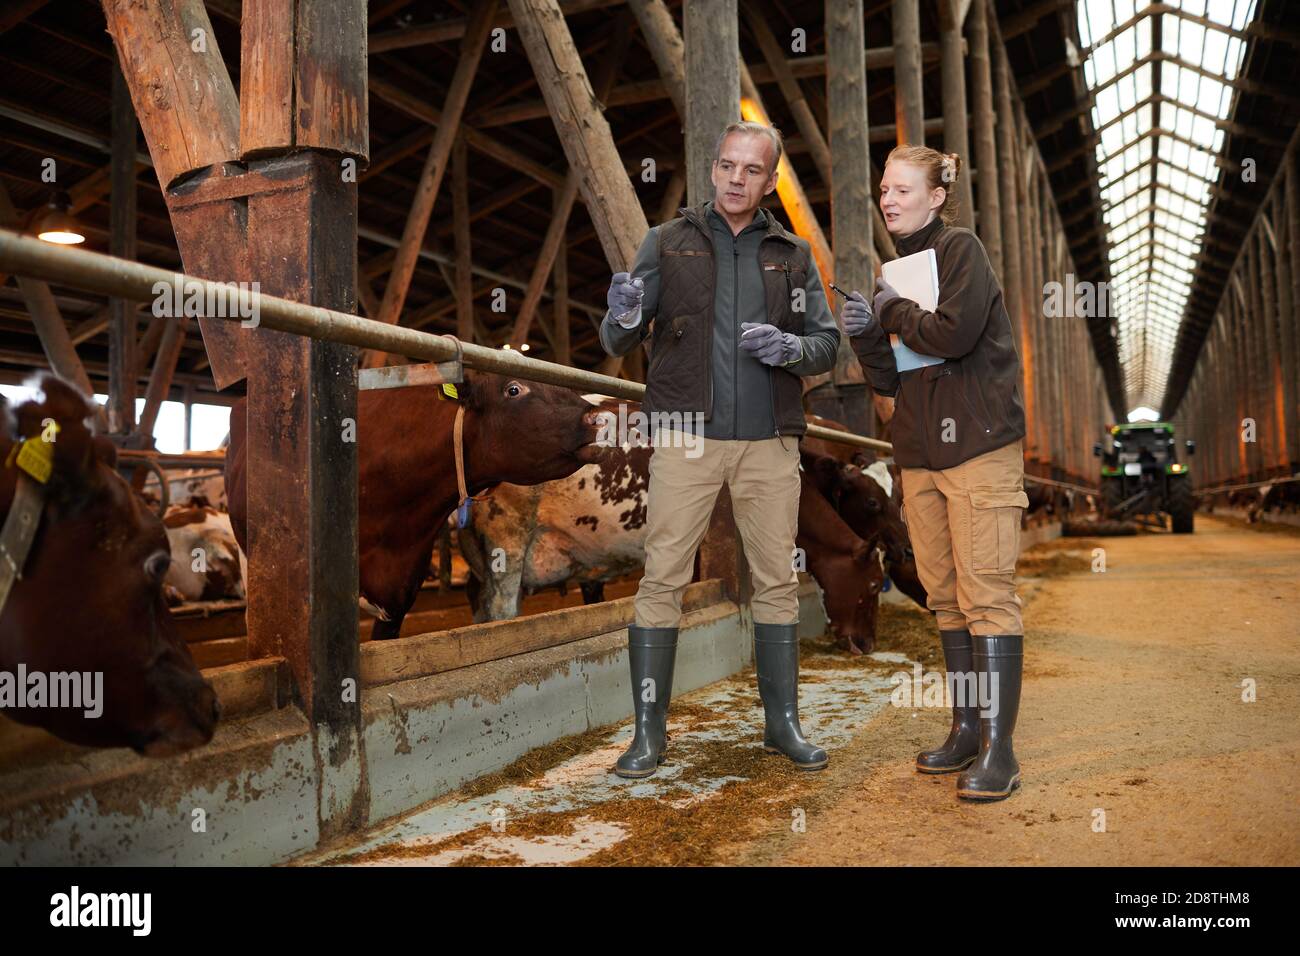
x: 421, y: 655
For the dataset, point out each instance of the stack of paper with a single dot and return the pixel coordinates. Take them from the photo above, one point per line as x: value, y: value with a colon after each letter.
x: 916, y: 277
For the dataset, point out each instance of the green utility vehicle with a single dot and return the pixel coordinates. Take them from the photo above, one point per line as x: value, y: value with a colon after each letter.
x: 1141, y: 476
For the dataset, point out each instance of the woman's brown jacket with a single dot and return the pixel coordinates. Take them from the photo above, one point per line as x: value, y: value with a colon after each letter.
x: 970, y: 403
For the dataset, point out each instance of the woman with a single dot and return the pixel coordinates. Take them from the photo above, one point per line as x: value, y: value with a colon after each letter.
x: 958, y: 434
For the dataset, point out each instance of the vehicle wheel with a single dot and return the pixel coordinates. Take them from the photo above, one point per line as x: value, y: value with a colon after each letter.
x: 1112, y: 495
x: 1182, y: 506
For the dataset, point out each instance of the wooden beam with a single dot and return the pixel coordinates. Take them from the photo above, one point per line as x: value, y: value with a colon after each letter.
x: 850, y: 182
x: 606, y: 72
x: 583, y: 131
x: 123, y: 362
x: 435, y: 165
x: 183, y: 98
x: 986, y: 152
x: 909, y: 97
x: 19, y: 10
x: 464, y: 284
x: 561, y: 318
x: 955, y: 138
x: 711, y: 44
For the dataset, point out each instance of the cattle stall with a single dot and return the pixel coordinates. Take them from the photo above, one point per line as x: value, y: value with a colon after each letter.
x: 467, y: 700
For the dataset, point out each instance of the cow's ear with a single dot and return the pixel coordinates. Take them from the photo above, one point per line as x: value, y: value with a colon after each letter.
x: 470, y: 392
x: 61, y: 421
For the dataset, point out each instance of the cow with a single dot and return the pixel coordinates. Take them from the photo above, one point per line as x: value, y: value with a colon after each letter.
x: 514, y: 430
x: 845, y: 566
x: 206, y: 559
x: 590, y: 527
x: 864, y: 498
x: 884, y: 527
x: 90, y: 596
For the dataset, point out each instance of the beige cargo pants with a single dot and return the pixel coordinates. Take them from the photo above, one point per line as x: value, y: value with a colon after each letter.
x: 763, y: 479
x: 964, y: 523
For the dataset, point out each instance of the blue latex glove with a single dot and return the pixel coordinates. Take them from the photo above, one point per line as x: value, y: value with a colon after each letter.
x: 624, y: 298
x: 884, y: 292
x: 856, y: 314
x: 769, y: 344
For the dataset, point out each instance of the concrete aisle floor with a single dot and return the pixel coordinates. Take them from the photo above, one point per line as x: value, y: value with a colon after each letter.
x: 1134, y: 740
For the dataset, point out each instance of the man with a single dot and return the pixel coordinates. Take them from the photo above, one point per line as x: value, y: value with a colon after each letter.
x: 736, y: 313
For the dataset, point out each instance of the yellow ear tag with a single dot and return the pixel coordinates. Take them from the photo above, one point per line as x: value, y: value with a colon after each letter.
x: 449, y: 389
x: 36, y: 457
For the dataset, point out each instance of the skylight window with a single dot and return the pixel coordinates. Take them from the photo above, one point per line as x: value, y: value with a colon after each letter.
x: 1161, y: 81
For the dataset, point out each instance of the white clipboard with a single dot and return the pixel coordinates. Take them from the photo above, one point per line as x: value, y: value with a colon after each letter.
x: 916, y: 277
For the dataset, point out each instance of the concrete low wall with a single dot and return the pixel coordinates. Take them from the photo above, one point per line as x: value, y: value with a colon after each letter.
x: 251, y: 796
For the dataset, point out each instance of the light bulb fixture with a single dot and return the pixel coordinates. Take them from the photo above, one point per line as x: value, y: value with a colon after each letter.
x: 57, y: 224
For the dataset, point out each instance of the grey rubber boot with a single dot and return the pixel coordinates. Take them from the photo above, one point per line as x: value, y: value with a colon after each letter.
x: 963, y: 743
x: 651, y: 652
x: 776, y: 658
x: 995, y: 772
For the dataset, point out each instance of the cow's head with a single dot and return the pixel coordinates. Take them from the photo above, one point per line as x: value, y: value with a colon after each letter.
x: 528, y: 432
x: 865, y: 504
x: 852, y: 594
x: 91, y: 594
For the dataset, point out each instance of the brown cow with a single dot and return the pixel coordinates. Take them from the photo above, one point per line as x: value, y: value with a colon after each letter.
x: 90, y: 599
x: 844, y: 565
x: 514, y: 430
x: 882, y: 526
x: 873, y: 515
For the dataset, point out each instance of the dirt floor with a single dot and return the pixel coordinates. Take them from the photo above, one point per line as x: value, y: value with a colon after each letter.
x: 1132, y: 708
x: 1135, y: 744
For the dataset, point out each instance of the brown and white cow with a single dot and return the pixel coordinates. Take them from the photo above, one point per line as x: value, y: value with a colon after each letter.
x: 590, y: 527
x: 90, y: 598
x: 206, y: 558
x: 585, y: 529
x: 865, y: 499
x: 514, y: 430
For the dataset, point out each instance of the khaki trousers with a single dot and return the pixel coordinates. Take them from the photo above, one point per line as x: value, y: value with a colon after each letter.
x: 964, y: 523
x: 763, y: 478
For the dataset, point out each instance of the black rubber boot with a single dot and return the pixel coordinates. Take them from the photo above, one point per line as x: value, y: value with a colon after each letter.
x: 995, y: 772
x: 963, y: 743
x: 776, y: 658
x: 651, y: 652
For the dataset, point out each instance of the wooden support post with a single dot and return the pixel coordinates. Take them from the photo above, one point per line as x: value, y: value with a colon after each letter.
x: 1008, y: 193
x: 417, y: 221
x: 986, y: 150
x: 289, y: 223
x: 1275, y: 401
x: 909, y: 99
x: 123, y: 363
x: 302, y: 467
x: 955, y: 139
x: 851, y: 203
x: 666, y: 48
x: 1288, y: 220
x: 464, y: 276
x: 712, y: 70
